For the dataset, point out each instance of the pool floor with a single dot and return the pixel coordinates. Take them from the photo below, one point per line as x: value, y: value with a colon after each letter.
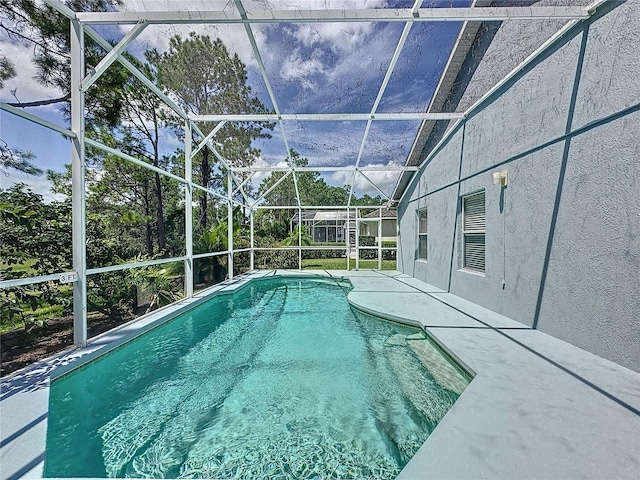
x: 282, y: 380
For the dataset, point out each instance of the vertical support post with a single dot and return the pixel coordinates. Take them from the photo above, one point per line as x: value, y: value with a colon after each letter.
x: 299, y: 237
x: 230, y: 223
x: 79, y: 232
x: 380, y: 239
x: 357, y: 230
x: 348, y: 240
x: 252, y: 260
x: 188, y: 211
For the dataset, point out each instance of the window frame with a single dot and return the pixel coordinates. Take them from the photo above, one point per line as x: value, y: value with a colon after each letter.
x: 422, y: 234
x: 467, y: 233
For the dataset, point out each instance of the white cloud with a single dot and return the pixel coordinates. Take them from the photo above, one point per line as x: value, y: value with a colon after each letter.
x: 385, y: 180
x: 258, y: 177
x: 340, y: 37
x: 170, y: 140
x: 313, y: 68
x: 339, y: 72
x: 335, y: 144
x: 38, y: 184
x: 302, y: 68
x: 158, y: 36
x: 26, y: 88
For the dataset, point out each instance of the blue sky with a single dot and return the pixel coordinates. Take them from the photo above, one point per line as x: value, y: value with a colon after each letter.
x: 313, y: 68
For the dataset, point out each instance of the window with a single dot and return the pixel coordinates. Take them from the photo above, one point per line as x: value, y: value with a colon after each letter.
x: 422, y: 234
x: 473, y: 230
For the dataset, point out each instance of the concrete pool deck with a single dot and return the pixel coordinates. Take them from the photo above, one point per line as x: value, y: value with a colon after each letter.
x: 537, y: 407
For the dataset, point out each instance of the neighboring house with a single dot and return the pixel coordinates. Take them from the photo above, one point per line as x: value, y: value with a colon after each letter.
x: 331, y: 226
x: 328, y: 226
x: 369, y: 225
x: 529, y: 205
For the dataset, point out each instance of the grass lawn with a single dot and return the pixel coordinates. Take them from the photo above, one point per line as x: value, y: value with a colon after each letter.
x: 45, y: 312
x: 341, y: 264
x: 26, y: 267
x: 48, y: 312
x: 9, y: 325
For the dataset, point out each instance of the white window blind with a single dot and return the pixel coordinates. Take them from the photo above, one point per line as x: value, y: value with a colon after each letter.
x: 473, y: 229
x: 422, y: 233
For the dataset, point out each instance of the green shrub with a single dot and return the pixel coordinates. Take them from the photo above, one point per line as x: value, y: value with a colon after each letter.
x: 276, y: 259
x: 241, y: 262
x: 367, y: 241
x: 332, y: 253
x: 388, y: 254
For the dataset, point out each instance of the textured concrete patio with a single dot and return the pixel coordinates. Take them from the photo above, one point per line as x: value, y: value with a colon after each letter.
x: 537, y: 407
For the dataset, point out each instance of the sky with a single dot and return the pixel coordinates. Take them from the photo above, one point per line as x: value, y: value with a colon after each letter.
x: 313, y: 68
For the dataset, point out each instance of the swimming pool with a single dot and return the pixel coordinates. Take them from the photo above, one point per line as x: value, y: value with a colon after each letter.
x: 282, y: 379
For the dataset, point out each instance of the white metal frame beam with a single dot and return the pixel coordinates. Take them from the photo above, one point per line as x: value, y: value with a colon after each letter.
x: 18, y: 282
x: 372, y: 184
x: 79, y: 214
x: 112, y: 56
x: 134, y: 160
x: 211, y: 254
x: 229, y: 225
x: 265, y: 77
x: 311, y: 207
x: 62, y: 8
x: 383, y: 168
x: 243, y: 184
x: 385, y: 81
x: 326, y: 117
x: 482, y: 14
x: 270, y: 189
x: 210, y: 136
x: 137, y: 73
x: 188, y: 212
x: 215, y: 194
x: 252, y: 254
x: 128, y: 266
x: 37, y: 120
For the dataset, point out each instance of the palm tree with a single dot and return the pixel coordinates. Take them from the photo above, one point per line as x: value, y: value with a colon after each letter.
x: 292, y: 239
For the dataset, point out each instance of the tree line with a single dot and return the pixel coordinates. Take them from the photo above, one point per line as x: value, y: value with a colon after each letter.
x: 135, y: 213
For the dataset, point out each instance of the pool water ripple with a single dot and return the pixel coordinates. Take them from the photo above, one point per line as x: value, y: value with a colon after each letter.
x: 281, y: 380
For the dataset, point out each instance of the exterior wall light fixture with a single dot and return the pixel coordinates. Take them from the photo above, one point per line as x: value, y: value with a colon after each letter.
x: 500, y: 178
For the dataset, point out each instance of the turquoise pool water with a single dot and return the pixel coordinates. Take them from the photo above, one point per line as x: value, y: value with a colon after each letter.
x: 282, y: 379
